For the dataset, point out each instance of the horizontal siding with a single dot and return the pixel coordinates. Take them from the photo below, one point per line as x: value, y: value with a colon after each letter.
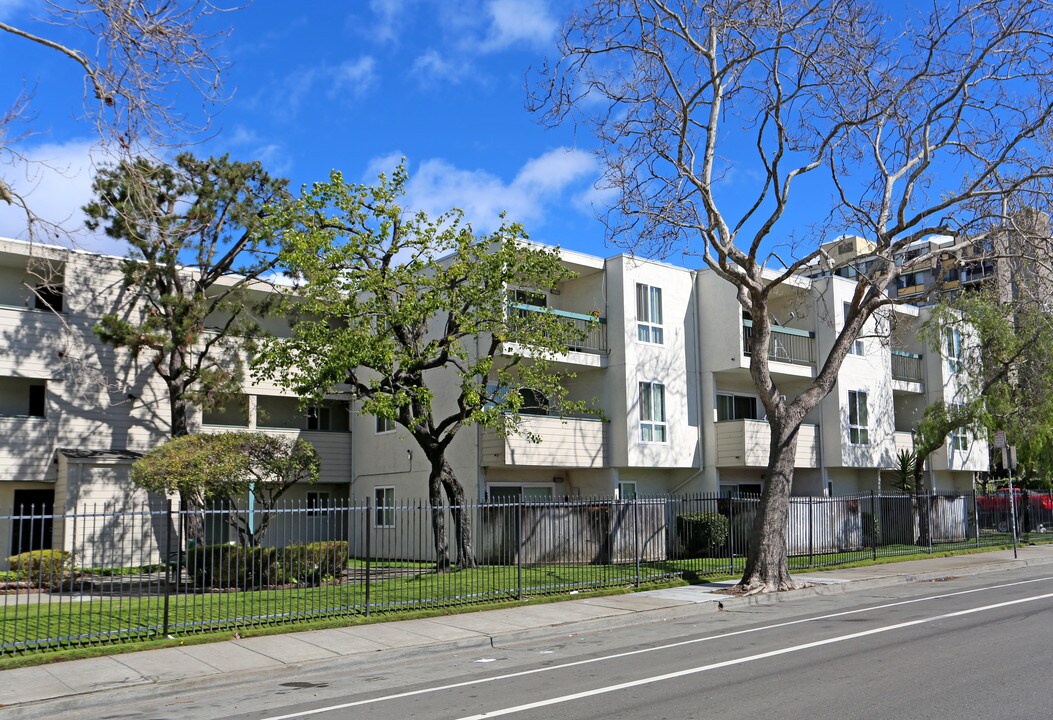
x: 568, y: 443
x: 26, y: 451
x: 745, y: 443
x: 334, y: 449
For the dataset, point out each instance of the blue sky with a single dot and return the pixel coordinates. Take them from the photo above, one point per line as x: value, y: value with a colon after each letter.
x: 355, y: 86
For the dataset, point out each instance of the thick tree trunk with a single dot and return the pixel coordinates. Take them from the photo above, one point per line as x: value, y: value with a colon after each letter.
x: 462, y: 517
x: 767, y: 569
x: 923, y: 502
x: 192, y: 507
x: 438, y: 516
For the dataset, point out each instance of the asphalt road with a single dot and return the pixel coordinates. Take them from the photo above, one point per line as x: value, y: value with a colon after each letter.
x: 976, y: 647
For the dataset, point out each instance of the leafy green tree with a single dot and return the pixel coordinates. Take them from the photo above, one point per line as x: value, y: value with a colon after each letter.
x: 198, y: 243
x: 1009, y: 369
x: 413, y: 316
x: 228, y: 467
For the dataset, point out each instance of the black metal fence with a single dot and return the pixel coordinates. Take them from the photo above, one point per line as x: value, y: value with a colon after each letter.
x: 102, y: 575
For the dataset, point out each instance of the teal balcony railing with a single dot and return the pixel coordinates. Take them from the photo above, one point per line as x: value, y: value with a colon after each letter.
x: 907, y: 366
x: 594, y: 328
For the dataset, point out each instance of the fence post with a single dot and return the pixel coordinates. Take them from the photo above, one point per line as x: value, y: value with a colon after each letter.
x: 976, y: 519
x: 731, y: 533
x: 168, y: 564
x: 636, y: 537
x: 811, y: 532
x: 873, y: 527
x: 519, y: 548
x: 928, y: 517
x: 369, y: 549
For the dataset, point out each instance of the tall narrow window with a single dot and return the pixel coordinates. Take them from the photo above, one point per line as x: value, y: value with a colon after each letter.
x: 384, y: 513
x: 953, y: 341
x: 37, y: 400
x: 857, y: 345
x: 652, y: 413
x: 858, y: 422
x: 649, y: 314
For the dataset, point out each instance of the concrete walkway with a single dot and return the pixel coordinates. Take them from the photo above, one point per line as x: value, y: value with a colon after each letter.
x: 294, y: 649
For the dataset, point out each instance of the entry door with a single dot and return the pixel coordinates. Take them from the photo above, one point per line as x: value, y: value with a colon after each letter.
x: 32, y: 527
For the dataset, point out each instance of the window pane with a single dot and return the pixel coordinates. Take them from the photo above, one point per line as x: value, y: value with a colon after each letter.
x: 643, y: 333
x: 646, y: 434
x: 656, y: 306
x: 656, y: 335
x: 641, y: 303
x: 645, y: 401
x: 659, y: 433
x: 725, y: 407
x: 659, y: 402
x: 863, y: 420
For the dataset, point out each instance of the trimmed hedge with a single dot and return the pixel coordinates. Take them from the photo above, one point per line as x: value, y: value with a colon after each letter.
x: 42, y: 568
x: 702, y: 534
x: 238, y: 566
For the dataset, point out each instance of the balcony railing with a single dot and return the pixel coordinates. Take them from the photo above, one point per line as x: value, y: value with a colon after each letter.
x: 907, y: 366
x: 593, y: 328
x: 787, y: 345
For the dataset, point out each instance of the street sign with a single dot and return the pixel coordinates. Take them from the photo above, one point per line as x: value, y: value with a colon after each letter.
x: 999, y: 439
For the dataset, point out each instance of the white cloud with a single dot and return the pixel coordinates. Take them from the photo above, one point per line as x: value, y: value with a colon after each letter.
x: 273, y: 156
x: 56, y: 184
x: 10, y: 8
x: 353, y: 77
x: 518, y: 21
x: 433, y: 66
x: 436, y: 186
x: 388, y: 17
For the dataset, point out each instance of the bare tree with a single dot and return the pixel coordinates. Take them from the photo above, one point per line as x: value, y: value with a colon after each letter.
x: 143, y: 64
x: 833, y: 115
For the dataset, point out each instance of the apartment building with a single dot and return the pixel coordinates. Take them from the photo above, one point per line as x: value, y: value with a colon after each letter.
x: 666, y: 365
x: 75, y: 413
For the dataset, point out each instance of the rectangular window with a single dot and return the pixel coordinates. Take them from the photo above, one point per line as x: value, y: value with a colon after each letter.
x: 953, y: 342
x: 649, y: 314
x: 858, y: 422
x: 959, y: 440
x: 515, y: 493
x: 384, y: 513
x: 627, y: 490
x: 736, y: 407
x: 317, y: 503
x: 652, y: 413
x: 48, y: 297
x: 385, y: 425
x: 857, y: 346
x: 37, y: 400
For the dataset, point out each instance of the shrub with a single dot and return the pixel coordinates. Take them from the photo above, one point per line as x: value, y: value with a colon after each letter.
x: 702, y: 534
x: 238, y: 566
x: 42, y: 568
x: 313, y: 562
x: 232, y: 566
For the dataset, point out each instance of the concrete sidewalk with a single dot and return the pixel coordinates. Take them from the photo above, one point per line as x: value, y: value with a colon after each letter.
x: 295, y: 649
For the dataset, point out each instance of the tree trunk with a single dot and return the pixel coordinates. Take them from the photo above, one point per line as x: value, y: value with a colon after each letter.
x: 438, y: 515
x: 767, y: 569
x: 193, y: 507
x: 922, y: 501
x: 462, y: 517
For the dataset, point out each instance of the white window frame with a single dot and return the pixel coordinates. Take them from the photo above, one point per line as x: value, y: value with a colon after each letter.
x: 384, y: 426
x: 653, y: 416
x: 858, y: 432
x: 318, y: 502
x: 952, y: 345
x: 649, y: 323
x: 384, y: 506
x: 958, y: 440
x: 857, y: 347
x: 627, y: 490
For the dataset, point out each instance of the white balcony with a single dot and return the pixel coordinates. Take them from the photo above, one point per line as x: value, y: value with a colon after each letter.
x: 565, y: 443
x: 589, y: 351
x: 790, y: 351
x: 746, y: 443
x: 334, y: 448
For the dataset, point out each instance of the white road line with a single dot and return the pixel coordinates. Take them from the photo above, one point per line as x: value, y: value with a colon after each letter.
x: 629, y: 653
x: 742, y: 660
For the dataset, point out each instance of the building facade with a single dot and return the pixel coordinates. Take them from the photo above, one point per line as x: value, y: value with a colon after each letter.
x: 666, y: 365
